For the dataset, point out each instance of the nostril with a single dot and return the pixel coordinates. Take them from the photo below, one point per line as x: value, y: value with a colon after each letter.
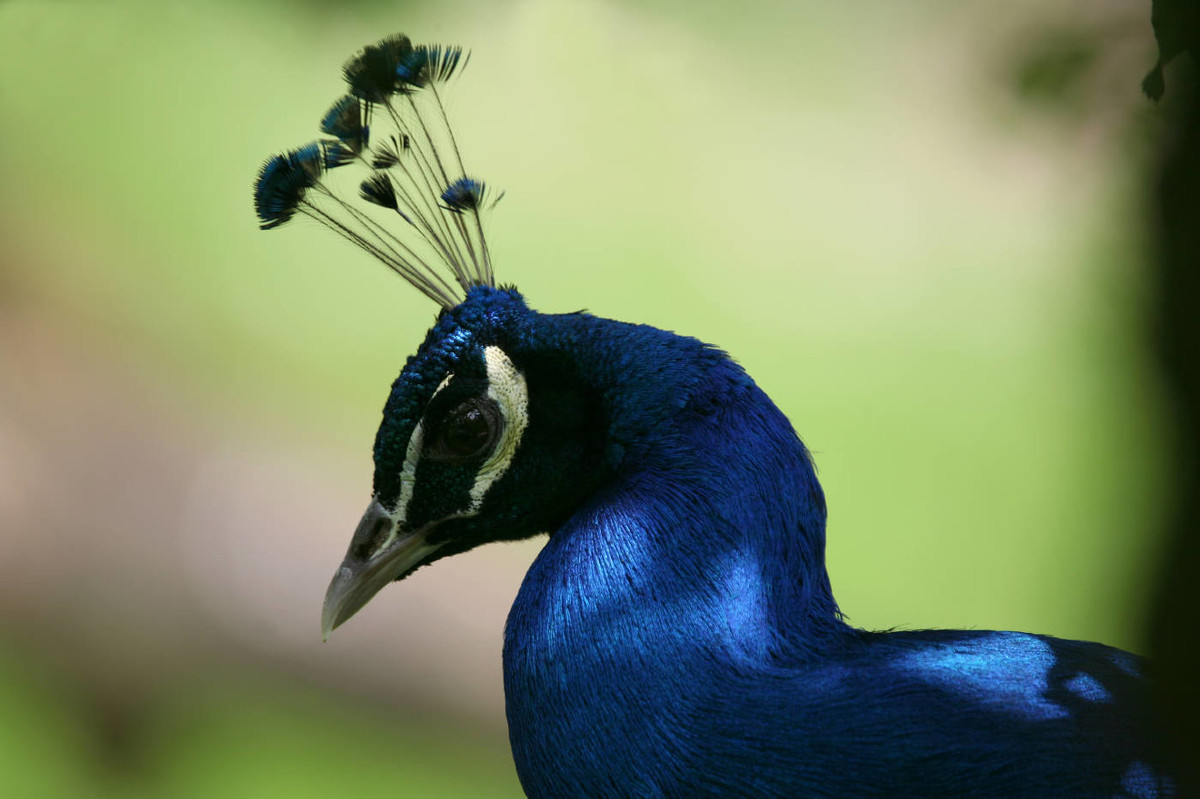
x: 372, y: 531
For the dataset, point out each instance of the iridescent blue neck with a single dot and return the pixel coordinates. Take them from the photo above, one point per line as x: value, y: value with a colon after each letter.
x: 704, y: 555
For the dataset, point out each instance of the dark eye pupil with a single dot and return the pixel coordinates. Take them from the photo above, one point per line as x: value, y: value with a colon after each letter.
x: 468, y: 432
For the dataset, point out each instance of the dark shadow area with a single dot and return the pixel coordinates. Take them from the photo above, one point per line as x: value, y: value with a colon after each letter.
x: 1174, y: 645
x: 1175, y: 623
x: 1177, y: 30
x: 1055, y: 73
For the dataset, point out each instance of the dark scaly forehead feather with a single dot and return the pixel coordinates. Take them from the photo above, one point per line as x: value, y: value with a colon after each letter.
x: 487, y: 316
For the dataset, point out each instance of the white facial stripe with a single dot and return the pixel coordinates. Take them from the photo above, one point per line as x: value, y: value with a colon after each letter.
x: 506, y: 386
x: 408, y: 478
x: 408, y: 472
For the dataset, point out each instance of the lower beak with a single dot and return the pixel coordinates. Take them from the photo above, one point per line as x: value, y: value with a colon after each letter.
x: 378, y: 554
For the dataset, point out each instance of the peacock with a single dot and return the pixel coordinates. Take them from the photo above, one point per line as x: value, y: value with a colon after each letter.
x: 677, y: 635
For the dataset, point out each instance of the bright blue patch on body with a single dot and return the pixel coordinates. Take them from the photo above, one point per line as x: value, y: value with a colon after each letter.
x: 1085, y: 686
x: 1006, y: 671
x: 744, y: 606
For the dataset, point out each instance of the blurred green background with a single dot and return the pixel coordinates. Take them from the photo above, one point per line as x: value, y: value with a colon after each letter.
x: 919, y: 225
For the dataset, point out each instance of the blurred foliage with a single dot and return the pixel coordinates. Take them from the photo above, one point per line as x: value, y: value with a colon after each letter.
x: 253, y: 739
x: 44, y: 750
x: 1054, y: 71
x: 1081, y: 68
x: 257, y: 740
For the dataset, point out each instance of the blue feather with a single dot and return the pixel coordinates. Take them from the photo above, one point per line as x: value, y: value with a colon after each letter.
x: 335, y: 154
x: 427, y: 64
x: 413, y: 167
x: 345, y: 119
x: 282, y: 182
x: 464, y: 194
x: 378, y: 189
x: 371, y: 73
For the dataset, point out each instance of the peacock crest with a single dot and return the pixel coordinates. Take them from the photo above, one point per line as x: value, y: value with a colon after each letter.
x: 392, y: 125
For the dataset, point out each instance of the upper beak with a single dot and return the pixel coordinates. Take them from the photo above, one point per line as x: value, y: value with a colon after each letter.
x: 378, y: 554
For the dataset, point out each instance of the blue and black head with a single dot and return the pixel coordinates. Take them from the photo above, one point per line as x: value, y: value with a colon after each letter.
x: 490, y: 432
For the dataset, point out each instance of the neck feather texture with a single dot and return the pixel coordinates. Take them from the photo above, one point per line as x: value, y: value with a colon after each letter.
x: 704, y: 555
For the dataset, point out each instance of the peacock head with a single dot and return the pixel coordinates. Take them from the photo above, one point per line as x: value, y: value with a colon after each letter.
x: 489, y: 434
x: 490, y: 431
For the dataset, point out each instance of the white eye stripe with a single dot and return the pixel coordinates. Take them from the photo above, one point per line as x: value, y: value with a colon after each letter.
x: 408, y: 472
x: 507, y: 388
x: 408, y: 481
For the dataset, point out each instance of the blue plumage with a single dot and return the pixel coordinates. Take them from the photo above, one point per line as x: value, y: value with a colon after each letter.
x: 335, y: 154
x: 430, y: 63
x: 464, y: 194
x: 371, y: 74
x: 345, y: 120
x: 678, y: 635
x: 282, y: 183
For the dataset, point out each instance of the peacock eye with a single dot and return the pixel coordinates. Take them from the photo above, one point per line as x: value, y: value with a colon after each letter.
x: 468, y: 431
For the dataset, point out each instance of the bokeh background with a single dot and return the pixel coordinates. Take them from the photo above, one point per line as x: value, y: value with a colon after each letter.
x: 921, y: 226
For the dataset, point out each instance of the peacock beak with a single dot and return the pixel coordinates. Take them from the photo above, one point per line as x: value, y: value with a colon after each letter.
x: 378, y: 554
